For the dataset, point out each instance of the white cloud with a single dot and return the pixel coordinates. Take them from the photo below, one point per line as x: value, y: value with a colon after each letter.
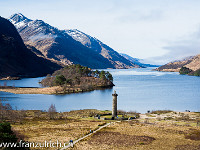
x: 136, y: 16
x: 180, y: 49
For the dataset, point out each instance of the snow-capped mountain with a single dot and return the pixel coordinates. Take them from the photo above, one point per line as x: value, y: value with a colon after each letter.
x: 68, y: 46
x: 19, y: 20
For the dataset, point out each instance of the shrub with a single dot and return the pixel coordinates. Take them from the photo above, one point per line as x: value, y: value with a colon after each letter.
x: 9, y: 136
x: 6, y: 134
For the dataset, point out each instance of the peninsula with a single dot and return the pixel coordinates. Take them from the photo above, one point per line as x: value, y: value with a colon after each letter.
x: 71, y: 79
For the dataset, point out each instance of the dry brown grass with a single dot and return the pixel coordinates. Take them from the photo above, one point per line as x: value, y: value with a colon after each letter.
x: 161, y: 111
x: 128, y: 136
x: 125, y: 135
x: 187, y: 147
x: 54, y: 130
x: 86, y: 113
x: 118, y: 139
x: 46, y: 90
x: 193, y: 135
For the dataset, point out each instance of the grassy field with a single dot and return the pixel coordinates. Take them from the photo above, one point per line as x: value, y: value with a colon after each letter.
x: 157, y: 131
x: 129, y: 135
x: 54, y: 130
x: 37, y: 127
x: 151, y: 131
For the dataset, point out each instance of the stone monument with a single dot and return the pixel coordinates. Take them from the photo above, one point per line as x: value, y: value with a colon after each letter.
x: 114, y: 106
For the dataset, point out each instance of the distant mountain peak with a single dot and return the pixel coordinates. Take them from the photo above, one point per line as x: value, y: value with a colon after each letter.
x: 19, y: 14
x: 39, y: 26
x: 18, y: 17
x: 137, y: 61
x: 18, y: 20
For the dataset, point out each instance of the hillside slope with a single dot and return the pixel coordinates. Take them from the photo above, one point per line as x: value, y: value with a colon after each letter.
x: 192, y: 63
x: 107, y: 52
x: 16, y: 59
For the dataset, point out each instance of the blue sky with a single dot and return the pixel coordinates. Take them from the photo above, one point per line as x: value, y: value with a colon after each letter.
x: 155, y: 30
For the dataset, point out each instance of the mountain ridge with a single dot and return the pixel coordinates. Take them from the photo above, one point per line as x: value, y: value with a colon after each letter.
x: 65, y: 47
x: 114, y: 57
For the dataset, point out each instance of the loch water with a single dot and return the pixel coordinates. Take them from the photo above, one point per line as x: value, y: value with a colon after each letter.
x: 139, y: 89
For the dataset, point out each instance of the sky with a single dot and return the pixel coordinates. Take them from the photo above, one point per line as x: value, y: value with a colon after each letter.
x: 157, y: 31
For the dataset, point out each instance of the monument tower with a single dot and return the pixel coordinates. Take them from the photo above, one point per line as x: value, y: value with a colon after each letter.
x: 114, y: 106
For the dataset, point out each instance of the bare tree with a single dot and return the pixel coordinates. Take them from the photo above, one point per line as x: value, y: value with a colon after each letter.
x: 37, y: 114
x: 52, y: 111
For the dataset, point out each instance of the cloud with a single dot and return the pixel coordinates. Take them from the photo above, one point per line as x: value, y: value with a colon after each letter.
x: 180, y: 49
x: 135, y: 16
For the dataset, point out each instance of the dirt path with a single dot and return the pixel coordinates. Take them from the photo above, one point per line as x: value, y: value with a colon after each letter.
x: 69, y: 145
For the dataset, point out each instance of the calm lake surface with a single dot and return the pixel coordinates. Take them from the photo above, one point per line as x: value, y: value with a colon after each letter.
x: 138, y: 89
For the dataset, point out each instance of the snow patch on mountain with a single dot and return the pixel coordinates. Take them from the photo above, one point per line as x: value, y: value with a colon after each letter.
x: 41, y: 36
x: 80, y: 36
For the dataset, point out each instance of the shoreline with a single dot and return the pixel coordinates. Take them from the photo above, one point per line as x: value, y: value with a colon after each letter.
x: 10, y: 78
x: 29, y: 90
x: 55, y: 90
